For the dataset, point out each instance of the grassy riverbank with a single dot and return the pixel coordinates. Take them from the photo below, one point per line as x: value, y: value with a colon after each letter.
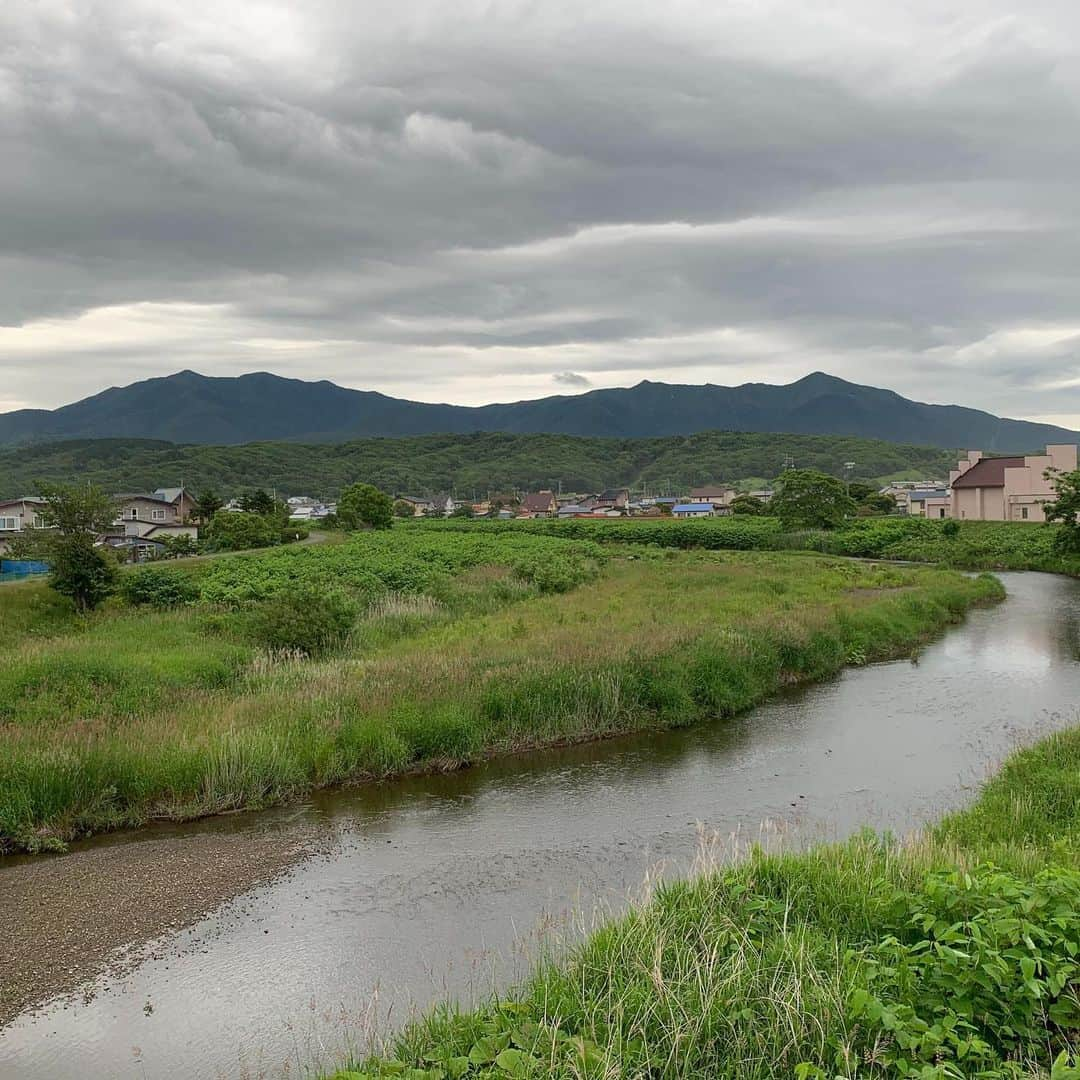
x: 953, y: 955
x: 458, y: 648
x: 965, y: 545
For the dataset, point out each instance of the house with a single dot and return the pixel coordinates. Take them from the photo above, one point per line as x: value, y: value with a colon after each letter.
x: 717, y: 494
x: 928, y: 503
x: 572, y: 510
x: 149, y: 518
x: 420, y: 506
x: 18, y: 515
x: 1007, y: 488
x: 615, y: 498
x: 693, y: 510
x: 540, y: 504
x: 443, y: 505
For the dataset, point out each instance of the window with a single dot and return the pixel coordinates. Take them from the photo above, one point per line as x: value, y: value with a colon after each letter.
x: 941, y: 511
x: 9, y: 523
x: 1023, y: 512
x: 157, y: 515
x: 133, y: 513
x: 39, y: 522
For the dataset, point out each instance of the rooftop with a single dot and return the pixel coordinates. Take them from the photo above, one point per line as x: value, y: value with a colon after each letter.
x: 988, y: 472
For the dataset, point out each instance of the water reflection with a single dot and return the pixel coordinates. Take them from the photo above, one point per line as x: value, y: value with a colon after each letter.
x: 433, y: 880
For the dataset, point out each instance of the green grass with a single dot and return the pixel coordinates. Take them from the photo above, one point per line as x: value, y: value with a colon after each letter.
x: 133, y: 715
x: 975, y: 545
x: 954, y: 954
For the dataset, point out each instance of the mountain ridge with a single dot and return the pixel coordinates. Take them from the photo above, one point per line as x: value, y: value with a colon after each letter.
x: 188, y: 407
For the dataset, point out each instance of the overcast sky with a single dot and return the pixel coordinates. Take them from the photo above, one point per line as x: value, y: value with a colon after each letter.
x: 489, y: 201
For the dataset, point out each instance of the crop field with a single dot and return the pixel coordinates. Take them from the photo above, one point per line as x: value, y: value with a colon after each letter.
x: 968, y: 545
x: 251, y: 679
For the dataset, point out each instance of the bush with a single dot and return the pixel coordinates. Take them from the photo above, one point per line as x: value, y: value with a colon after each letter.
x: 159, y: 588
x: 231, y: 531
x: 304, y: 621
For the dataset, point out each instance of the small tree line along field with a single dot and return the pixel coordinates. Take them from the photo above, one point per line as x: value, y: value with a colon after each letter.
x: 463, y: 463
x: 249, y: 679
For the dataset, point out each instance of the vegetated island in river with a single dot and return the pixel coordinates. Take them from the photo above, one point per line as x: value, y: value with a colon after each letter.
x: 248, y: 680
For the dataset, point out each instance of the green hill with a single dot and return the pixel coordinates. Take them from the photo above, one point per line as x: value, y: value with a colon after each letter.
x: 464, y: 464
x: 188, y: 407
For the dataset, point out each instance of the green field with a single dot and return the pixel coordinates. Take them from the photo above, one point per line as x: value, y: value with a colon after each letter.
x: 956, y: 954
x: 964, y: 545
x: 277, y: 672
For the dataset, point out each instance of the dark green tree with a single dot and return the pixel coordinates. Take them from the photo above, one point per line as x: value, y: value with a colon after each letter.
x: 1065, y: 509
x: 229, y: 531
x: 75, y: 516
x: 258, y: 502
x: 807, y: 499
x: 749, y: 505
x: 209, y: 502
x: 462, y: 510
x: 363, y: 505
x: 403, y: 509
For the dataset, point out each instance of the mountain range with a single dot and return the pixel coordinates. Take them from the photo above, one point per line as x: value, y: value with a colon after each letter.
x: 191, y: 408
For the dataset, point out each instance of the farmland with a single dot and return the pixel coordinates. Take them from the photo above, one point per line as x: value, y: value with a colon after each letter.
x: 250, y: 679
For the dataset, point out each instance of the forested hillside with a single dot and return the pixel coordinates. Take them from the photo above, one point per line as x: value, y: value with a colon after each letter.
x: 462, y: 463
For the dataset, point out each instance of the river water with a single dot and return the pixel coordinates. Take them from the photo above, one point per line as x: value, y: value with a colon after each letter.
x: 444, y: 886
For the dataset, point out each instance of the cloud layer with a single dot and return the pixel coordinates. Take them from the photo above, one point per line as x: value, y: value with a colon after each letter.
x: 487, y: 201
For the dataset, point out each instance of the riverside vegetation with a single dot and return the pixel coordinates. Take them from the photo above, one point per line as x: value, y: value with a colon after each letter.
x: 249, y: 679
x: 956, y: 954
x: 964, y: 545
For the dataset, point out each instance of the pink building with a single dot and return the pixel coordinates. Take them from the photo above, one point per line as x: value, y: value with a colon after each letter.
x: 1007, y: 488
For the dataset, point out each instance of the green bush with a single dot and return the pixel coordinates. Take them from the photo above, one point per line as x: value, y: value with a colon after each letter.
x: 306, y: 621
x: 159, y: 588
x: 231, y: 531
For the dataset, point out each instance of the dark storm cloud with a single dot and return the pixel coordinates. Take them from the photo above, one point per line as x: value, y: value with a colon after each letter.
x: 477, y: 201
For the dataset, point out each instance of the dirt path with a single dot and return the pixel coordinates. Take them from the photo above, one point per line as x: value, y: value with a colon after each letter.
x: 65, y: 919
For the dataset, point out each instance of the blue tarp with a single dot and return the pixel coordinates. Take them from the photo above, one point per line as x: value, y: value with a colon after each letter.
x: 22, y: 567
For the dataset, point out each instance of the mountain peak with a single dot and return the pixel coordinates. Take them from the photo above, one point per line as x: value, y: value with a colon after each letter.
x: 261, y: 406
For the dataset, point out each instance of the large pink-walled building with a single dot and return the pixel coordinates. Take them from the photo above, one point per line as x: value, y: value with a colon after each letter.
x: 1006, y: 488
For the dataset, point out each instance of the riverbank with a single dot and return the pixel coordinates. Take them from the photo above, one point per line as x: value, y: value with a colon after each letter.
x: 952, y: 954
x: 182, y: 722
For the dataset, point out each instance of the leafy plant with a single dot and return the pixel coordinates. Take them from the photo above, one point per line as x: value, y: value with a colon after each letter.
x: 306, y: 621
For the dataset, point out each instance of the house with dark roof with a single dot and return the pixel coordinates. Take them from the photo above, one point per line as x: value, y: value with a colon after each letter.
x: 717, y: 494
x: 1007, y: 488
x: 540, y: 504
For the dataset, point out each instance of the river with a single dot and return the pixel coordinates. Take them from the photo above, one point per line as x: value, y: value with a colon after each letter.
x: 443, y: 886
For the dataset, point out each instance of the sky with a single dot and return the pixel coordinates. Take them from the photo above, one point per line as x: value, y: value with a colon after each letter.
x: 490, y: 201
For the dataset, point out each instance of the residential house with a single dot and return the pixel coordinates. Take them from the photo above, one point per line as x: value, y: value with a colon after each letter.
x: 615, y: 498
x: 693, y: 510
x: 420, y: 507
x: 928, y: 503
x: 18, y: 515
x: 1007, y: 488
x: 149, y: 518
x: 539, y: 504
x: 572, y: 510
x: 444, y: 505
x: 717, y: 494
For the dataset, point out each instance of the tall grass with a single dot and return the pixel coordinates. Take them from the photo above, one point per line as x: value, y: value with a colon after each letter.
x: 872, y: 958
x: 170, y: 714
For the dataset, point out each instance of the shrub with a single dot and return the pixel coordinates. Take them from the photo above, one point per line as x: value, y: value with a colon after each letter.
x: 159, y: 588
x: 231, y: 531
x: 304, y: 621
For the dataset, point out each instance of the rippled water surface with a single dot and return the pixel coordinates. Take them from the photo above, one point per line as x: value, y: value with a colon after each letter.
x: 438, y: 886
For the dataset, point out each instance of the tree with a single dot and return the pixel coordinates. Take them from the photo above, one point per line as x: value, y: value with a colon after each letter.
x: 74, y: 517
x: 258, y: 502
x: 807, y: 499
x: 749, y: 505
x: 877, y: 503
x: 1065, y: 509
x: 208, y: 504
x: 404, y: 509
x: 462, y: 510
x: 229, y: 531
x: 365, y: 504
